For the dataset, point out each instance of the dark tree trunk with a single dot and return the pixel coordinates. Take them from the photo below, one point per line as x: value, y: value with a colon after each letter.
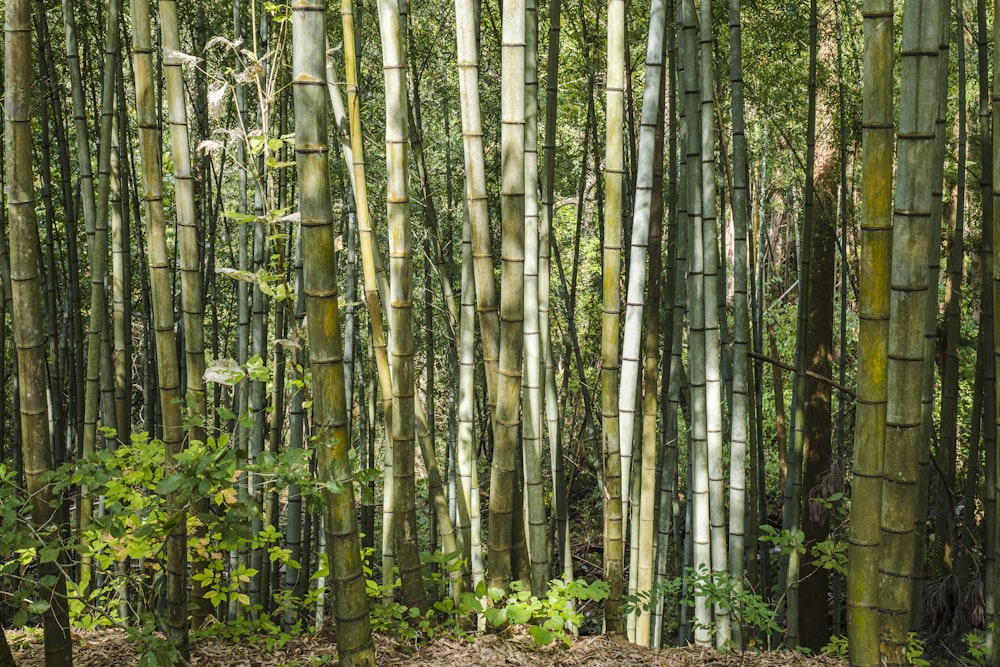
x: 6, y: 659
x: 814, y: 625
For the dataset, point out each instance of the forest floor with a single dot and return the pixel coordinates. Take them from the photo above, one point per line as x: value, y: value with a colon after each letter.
x: 111, y: 648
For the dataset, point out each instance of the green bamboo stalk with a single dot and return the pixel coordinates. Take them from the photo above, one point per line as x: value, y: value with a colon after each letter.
x: 167, y: 370
x: 507, y: 417
x: 910, y: 299
x: 873, y: 311
x: 561, y: 548
x: 538, y: 537
x: 26, y: 315
x: 401, y: 346
x: 740, y: 417
x: 332, y: 440
x: 614, y: 172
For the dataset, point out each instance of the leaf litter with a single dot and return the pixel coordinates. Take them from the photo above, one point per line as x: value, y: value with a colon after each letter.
x: 112, y: 648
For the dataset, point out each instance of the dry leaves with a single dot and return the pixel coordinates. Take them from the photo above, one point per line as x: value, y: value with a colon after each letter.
x: 111, y: 648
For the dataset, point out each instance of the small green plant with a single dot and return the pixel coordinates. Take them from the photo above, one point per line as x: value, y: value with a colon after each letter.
x: 720, y: 590
x: 549, y: 618
x: 976, y: 648
x: 155, y: 650
x: 667, y: 590
x: 444, y: 618
x: 831, y: 555
x: 915, y: 651
x: 21, y: 546
x: 22, y: 639
x: 138, y: 516
x: 837, y: 647
x: 787, y: 541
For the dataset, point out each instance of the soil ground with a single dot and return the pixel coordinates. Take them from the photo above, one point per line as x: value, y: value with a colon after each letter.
x: 111, y: 648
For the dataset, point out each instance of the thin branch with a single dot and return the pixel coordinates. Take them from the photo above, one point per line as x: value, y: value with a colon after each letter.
x: 816, y: 376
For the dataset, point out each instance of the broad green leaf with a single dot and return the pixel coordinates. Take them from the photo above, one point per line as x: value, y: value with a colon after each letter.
x: 38, y: 606
x: 170, y: 483
x: 542, y: 636
x: 518, y: 613
x: 470, y: 603
x: 496, y: 615
x: 143, y: 531
x: 49, y: 553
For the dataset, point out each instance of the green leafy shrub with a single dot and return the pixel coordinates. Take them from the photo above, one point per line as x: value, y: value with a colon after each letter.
x: 549, y: 618
x: 977, y: 649
x: 720, y: 590
x: 837, y: 646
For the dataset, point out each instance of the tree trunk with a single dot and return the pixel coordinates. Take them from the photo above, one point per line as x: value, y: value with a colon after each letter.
x: 188, y: 260
x: 910, y: 298
x: 95, y: 213
x: 644, y: 220
x: 873, y: 310
x: 401, y: 347
x: 740, y: 416
x: 332, y: 441
x: 561, y: 547
x: 534, y: 492
x: 814, y: 627
x: 614, y: 481
x: 507, y: 417
x: 29, y: 336
x: 167, y: 369
x: 6, y: 657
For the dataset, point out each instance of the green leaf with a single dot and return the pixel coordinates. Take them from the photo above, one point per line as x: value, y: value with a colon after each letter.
x: 469, y: 603
x: 368, y: 475
x: 238, y: 217
x: 38, y: 606
x: 599, y: 590
x: 446, y: 605
x: 236, y: 274
x: 170, y: 483
x: 49, y: 553
x: 496, y: 615
x: 542, y: 636
x: 518, y: 613
x: 144, y: 531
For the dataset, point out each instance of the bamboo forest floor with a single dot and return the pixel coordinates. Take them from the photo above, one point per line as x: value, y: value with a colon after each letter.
x: 111, y: 648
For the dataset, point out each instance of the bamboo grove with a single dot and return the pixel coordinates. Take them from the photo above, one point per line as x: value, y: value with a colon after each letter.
x: 681, y: 311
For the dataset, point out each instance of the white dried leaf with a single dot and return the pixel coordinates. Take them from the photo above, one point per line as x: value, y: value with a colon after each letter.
x: 217, y: 100
x: 179, y: 57
x: 208, y: 145
x: 224, y: 371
